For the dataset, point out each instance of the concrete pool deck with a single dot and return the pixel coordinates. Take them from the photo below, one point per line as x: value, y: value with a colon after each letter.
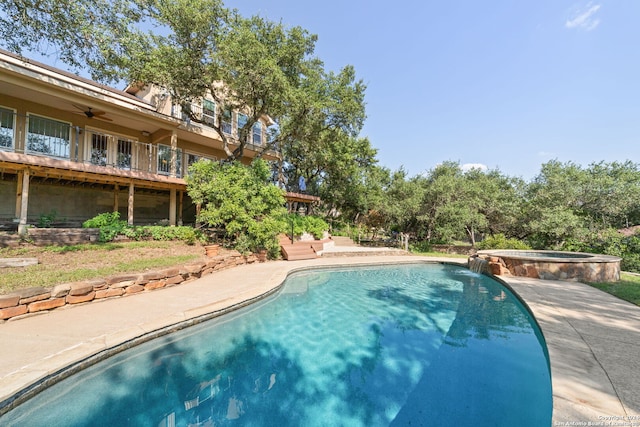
x: 593, y: 338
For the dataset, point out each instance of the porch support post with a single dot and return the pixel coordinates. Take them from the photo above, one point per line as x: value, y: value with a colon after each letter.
x: 116, y: 191
x: 180, y: 206
x: 174, y: 154
x: 130, y: 204
x: 19, y: 194
x: 172, y: 207
x: 24, y: 203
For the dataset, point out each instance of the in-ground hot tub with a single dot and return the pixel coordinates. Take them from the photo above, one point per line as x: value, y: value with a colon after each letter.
x: 556, y: 265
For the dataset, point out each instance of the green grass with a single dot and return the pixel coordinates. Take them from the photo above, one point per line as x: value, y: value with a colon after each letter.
x: 628, y: 288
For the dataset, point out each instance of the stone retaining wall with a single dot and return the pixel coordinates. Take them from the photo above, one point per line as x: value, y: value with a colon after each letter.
x: 26, y: 302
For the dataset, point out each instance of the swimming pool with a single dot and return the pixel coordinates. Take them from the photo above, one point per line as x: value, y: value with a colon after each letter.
x: 403, y: 345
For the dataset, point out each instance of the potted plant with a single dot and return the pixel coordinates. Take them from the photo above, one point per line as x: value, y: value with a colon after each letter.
x: 211, y: 250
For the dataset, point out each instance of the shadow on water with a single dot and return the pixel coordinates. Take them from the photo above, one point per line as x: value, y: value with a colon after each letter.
x: 490, y: 370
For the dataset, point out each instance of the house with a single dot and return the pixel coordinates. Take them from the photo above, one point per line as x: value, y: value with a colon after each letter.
x: 71, y: 148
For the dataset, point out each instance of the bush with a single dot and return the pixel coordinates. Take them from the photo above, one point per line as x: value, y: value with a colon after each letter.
x: 109, y: 223
x: 422, y: 246
x: 313, y: 225
x: 106, y: 219
x: 111, y: 226
x: 500, y: 241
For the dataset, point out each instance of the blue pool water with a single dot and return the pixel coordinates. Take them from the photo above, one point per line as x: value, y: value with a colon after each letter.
x: 406, y: 345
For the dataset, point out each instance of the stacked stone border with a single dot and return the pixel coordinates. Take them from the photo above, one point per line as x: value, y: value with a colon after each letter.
x: 31, y: 301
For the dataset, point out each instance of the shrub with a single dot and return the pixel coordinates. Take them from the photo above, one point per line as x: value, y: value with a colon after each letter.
x: 422, y: 246
x: 315, y: 225
x: 109, y: 223
x: 500, y: 241
x: 45, y: 220
x: 111, y: 226
x: 105, y: 219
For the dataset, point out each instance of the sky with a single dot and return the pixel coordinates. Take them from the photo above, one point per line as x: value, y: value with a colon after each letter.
x: 499, y: 84
x: 502, y: 84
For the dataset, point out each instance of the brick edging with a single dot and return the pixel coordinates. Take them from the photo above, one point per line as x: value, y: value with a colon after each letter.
x: 25, y: 302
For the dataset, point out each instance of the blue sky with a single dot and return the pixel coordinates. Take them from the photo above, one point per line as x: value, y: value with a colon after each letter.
x: 509, y: 84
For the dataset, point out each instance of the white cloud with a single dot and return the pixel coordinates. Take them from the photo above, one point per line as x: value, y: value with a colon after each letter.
x: 584, y: 18
x: 468, y: 166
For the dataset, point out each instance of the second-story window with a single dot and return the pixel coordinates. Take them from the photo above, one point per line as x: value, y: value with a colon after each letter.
x: 208, y: 112
x: 47, y: 136
x: 226, y: 121
x: 164, y: 160
x: 7, y: 126
x: 242, y: 121
x: 257, y: 133
x: 99, y: 146
x: 124, y: 153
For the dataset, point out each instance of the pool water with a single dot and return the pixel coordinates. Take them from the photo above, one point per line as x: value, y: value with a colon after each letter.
x: 419, y: 344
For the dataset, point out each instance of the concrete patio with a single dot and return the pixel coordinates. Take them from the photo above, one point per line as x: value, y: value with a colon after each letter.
x: 593, y: 338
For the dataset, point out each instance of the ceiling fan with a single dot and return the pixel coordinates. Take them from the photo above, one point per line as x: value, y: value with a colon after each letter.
x: 91, y: 113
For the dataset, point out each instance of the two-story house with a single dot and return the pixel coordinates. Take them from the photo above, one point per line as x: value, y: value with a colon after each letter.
x: 72, y: 148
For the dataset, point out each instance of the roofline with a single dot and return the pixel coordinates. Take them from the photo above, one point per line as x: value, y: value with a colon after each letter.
x: 26, y: 66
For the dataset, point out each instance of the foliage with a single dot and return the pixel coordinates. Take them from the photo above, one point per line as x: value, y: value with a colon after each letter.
x: 111, y: 226
x: 186, y: 234
x: 315, y: 226
x: 239, y: 201
x: 45, y: 220
x: 105, y: 219
x: 109, y: 223
x: 311, y: 224
x: 82, y: 33
x: 421, y: 247
x: 500, y: 241
x: 319, y: 142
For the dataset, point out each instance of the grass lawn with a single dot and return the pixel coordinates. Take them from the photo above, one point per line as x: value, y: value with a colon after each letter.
x: 57, y: 265
x: 628, y: 288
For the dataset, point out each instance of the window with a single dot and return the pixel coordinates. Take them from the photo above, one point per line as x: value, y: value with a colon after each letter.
x: 257, y: 133
x: 164, y: 160
x: 47, y: 136
x: 191, y: 158
x: 226, y: 121
x: 242, y: 121
x: 124, y: 153
x: 208, y: 112
x: 99, y: 146
x: 7, y: 125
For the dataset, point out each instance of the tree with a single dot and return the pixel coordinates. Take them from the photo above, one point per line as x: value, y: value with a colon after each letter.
x: 319, y: 142
x: 402, y: 202
x: 240, y: 202
x: 93, y: 35
x: 250, y: 65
